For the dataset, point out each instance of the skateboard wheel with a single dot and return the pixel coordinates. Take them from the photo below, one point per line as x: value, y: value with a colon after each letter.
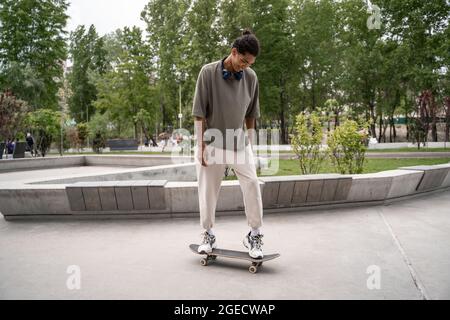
x: 253, y: 269
x: 204, y: 262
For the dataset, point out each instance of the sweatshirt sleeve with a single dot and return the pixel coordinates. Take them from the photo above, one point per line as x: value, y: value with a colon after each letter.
x: 201, y: 103
x: 253, y: 108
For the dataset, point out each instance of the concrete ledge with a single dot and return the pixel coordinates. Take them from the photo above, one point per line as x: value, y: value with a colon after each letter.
x: 286, y: 191
x: 157, y: 195
x: 182, y: 196
x: 446, y: 181
x: 144, y: 197
x: 369, y: 187
x: 404, y: 182
x: 40, y: 163
x: 110, y: 196
x: 140, y: 215
x: 135, y: 160
x: 433, y: 176
x: 174, y: 172
x: 30, y: 202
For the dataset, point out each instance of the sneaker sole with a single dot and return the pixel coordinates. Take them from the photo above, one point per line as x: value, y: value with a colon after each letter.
x: 206, y: 252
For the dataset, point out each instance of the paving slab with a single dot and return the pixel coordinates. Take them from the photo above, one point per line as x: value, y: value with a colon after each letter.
x: 325, y: 254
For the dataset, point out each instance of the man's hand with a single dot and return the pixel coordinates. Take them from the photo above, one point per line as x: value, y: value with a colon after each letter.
x: 199, y: 126
x: 250, y: 123
x: 201, y: 155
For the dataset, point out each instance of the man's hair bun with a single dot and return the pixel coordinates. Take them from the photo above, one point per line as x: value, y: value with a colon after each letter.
x: 246, y: 32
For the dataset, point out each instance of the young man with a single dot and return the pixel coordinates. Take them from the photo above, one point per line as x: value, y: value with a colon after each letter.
x: 226, y: 97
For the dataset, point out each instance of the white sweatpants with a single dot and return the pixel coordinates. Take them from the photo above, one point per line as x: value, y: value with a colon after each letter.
x: 210, y: 178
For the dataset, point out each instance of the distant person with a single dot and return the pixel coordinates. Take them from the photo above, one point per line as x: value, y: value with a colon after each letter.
x: 30, y: 143
x: 10, y: 148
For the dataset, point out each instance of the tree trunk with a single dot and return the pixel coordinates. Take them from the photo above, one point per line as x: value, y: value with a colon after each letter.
x: 313, y: 91
x: 407, y: 126
x: 447, y: 131
x: 385, y: 125
x: 283, y: 126
x: 146, y: 134
x: 447, y: 118
x: 390, y: 128
x: 372, y: 115
x: 433, y: 112
x: 380, y: 127
x: 424, y: 112
x: 395, y: 131
x: 284, y: 137
x: 336, y: 119
x: 162, y: 108
x: 135, y: 125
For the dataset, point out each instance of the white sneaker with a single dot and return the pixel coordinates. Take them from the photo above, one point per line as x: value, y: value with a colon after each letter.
x: 208, y: 243
x: 254, y: 245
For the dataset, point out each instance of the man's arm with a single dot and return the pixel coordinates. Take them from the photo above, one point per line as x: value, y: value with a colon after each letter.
x: 250, y: 123
x: 200, y: 127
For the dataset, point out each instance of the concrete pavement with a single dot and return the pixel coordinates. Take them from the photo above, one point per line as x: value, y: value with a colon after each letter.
x: 398, y: 251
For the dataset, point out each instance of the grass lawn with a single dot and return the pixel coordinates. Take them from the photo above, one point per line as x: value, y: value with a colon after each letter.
x: 291, y: 167
x: 412, y: 150
x: 397, y: 150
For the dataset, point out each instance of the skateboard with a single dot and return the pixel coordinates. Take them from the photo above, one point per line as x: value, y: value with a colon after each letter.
x: 232, y: 254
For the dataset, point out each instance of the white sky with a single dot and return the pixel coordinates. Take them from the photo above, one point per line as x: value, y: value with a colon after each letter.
x: 106, y: 15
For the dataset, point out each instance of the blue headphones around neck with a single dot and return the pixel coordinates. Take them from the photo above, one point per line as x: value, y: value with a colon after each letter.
x: 227, y: 74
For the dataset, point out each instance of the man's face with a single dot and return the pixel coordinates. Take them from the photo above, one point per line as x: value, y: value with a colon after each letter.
x: 241, y: 61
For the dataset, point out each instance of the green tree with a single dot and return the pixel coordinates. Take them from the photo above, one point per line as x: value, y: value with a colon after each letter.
x: 12, y: 115
x: 166, y: 25
x: 422, y: 29
x: 145, y: 121
x: 126, y: 87
x: 273, y: 28
x: 32, y: 36
x: 317, y: 59
x: 23, y: 82
x: 88, y: 56
x: 361, y: 58
x: 200, y: 44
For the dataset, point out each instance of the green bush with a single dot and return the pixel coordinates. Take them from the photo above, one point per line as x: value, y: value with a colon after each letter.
x: 82, y: 129
x: 98, y: 143
x: 306, y: 142
x: 47, y: 124
x: 347, y: 147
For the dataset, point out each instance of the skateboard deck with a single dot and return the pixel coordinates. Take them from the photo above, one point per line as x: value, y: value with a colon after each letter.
x: 232, y: 254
